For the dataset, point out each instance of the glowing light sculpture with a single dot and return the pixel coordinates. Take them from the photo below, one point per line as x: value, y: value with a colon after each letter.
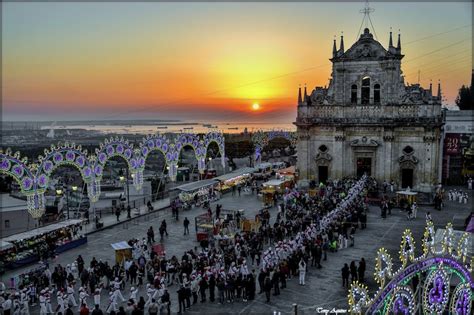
x: 434, y: 270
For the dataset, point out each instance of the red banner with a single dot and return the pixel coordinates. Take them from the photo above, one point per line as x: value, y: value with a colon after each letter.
x: 452, y: 144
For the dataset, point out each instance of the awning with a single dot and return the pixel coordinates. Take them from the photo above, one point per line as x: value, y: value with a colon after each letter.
x: 197, y: 185
x: 274, y: 182
x: 236, y: 173
x: 407, y: 193
x: 5, y: 245
x: 42, y: 230
x: 120, y: 245
x: 264, y: 165
x: 287, y: 171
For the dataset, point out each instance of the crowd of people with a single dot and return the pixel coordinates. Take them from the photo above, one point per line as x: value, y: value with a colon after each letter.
x: 458, y: 196
x: 304, y: 230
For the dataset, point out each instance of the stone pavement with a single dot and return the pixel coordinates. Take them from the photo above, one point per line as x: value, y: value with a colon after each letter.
x: 323, y: 286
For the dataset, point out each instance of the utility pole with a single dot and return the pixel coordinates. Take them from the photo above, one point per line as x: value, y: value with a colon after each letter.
x: 128, y: 191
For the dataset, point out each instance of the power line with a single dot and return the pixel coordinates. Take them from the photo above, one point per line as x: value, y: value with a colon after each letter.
x: 434, y: 35
x: 438, y: 66
x: 278, y: 77
x: 439, y: 49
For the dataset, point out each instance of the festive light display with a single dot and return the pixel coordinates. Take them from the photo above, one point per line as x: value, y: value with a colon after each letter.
x: 407, y: 248
x: 461, y: 300
x: 402, y: 302
x: 436, y: 291
x: 383, y: 266
x: 433, y: 271
x: 33, y: 179
x: 261, y: 139
x: 58, y: 155
x: 358, y: 297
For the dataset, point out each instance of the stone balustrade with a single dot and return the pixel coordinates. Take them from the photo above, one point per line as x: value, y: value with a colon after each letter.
x: 368, y: 113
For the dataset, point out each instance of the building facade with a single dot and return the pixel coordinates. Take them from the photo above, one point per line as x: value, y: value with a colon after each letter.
x: 368, y: 120
x: 458, y: 150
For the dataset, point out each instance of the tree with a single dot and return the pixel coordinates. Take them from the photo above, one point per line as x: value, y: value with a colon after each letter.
x: 465, y: 100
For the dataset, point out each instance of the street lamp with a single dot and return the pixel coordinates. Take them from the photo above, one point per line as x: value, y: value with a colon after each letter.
x: 62, y: 191
x: 122, y: 179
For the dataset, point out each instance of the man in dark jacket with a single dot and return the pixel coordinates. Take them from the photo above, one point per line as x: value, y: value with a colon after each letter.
x: 345, y: 275
x: 267, y: 287
x: 181, y: 299
x: 97, y: 310
x: 276, y: 282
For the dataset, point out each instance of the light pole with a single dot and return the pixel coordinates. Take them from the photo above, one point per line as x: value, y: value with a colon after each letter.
x: 65, y: 190
x: 74, y: 189
x: 122, y: 179
x: 59, y: 193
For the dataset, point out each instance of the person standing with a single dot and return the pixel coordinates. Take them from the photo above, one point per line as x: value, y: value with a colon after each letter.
x: 345, y: 276
x: 353, y: 270
x: 97, y: 310
x: 302, y: 270
x: 361, y: 269
x: 267, y: 286
x: 186, y: 225
x: 212, y: 288
x: 117, y: 214
x: 165, y: 302
x: 164, y: 225
x: 276, y: 282
x: 181, y: 298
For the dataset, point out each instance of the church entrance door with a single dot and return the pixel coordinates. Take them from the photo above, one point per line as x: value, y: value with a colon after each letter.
x: 407, y: 177
x: 323, y: 174
x: 364, y: 165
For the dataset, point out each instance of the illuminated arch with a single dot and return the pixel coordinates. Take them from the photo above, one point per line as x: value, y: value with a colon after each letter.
x: 148, y: 145
x: 217, y: 138
x: 60, y: 155
x: 114, y: 147
x: 16, y: 166
x: 261, y: 139
x: 192, y: 140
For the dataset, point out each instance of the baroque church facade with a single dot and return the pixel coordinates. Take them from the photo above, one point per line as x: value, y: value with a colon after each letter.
x: 368, y: 120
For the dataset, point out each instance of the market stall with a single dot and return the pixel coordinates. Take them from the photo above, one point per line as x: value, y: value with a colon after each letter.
x: 204, y: 227
x: 29, y: 247
x: 227, y: 224
x: 123, y: 251
x: 406, y: 197
x: 274, y: 186
x: 288, y: 173
x: 235, y: 178
x: 196, y: 193
x: 263, y: 170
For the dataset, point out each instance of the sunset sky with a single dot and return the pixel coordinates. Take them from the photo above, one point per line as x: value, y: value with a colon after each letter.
x: 206, y: 61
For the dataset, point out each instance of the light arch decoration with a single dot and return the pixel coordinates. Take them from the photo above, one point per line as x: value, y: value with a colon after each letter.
x: 152, y: 143
x: 197, y: 144
x: 33, y: 178
x: 217, y: 138
x: 108, y: 149
x: 436, y: 270
x: 12, y: 164
x: 261, y: 139
x: 67, y: 154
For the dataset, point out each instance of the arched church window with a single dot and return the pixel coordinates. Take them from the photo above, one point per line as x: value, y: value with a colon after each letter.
x: 365, y: 91
x: 354, y: 94
x: 377, y: 93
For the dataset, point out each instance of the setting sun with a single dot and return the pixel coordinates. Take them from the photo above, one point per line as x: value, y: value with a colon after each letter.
x: 255, y: 106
